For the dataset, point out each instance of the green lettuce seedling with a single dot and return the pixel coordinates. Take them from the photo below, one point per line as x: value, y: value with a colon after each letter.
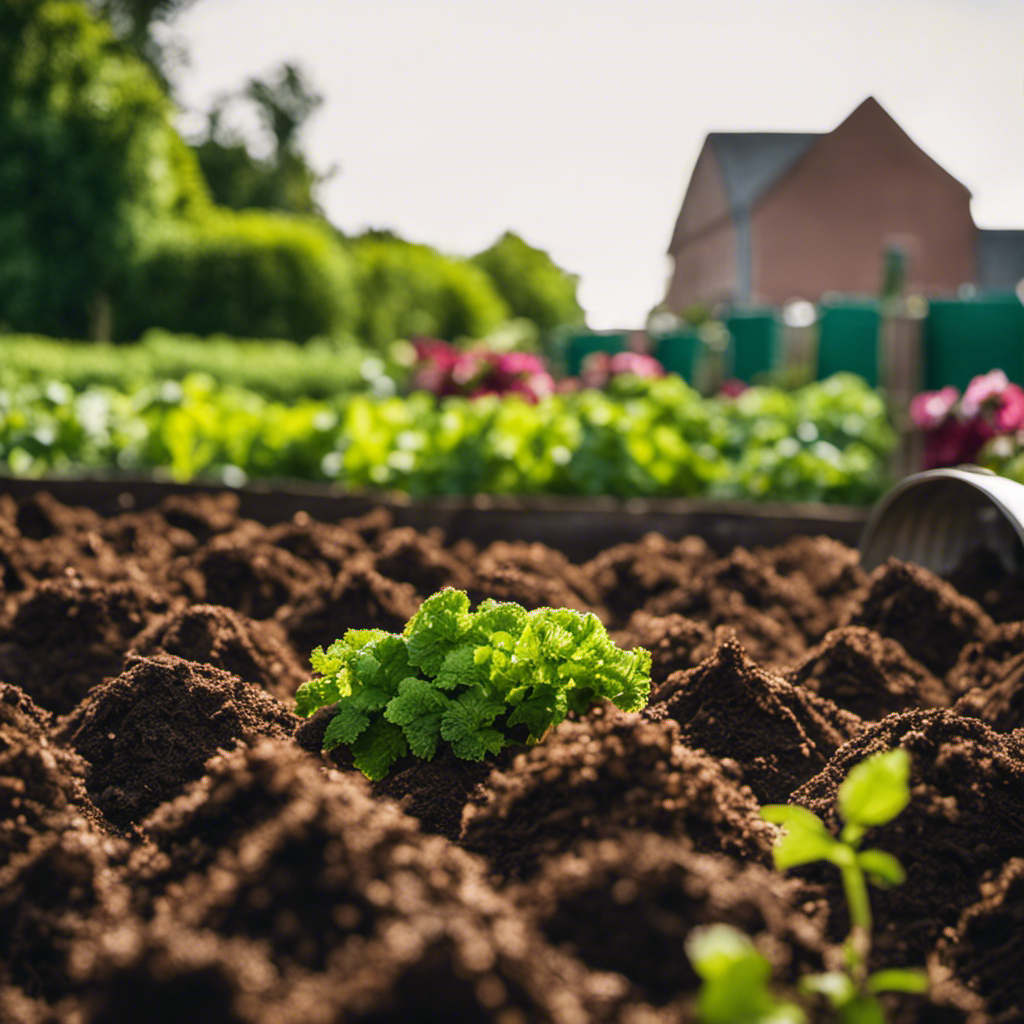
x: 873, y: 793
x: 477, y: 681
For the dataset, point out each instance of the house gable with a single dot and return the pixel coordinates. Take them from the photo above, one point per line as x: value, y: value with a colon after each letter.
x: 706, y: 201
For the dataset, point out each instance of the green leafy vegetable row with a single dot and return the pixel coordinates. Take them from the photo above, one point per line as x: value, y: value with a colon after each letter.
x: 476, y: 681
x: 827, y: 441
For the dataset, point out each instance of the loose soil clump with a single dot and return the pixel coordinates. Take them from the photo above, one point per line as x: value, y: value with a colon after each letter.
x: 151, y: 730
x: 779, y: 734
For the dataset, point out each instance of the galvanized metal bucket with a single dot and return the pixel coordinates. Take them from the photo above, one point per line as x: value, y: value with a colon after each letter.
x: 936, y: 518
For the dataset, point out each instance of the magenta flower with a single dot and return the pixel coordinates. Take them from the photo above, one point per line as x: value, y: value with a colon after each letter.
x: 986, y: 390
x: 636, y: 363
x: 931, y: 408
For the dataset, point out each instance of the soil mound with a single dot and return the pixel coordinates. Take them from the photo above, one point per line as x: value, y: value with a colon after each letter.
x: 598, y: 777
x: 965, y: 818
x: 58, y: 892
x: 244, y: 571
x: 257, y: 652
x: 773, y: 616
x: 40, y: 784
x: 357, y: 598
x: 675, y: 642
x: 67, y: 634
x: 867, y: 674
x: 325, y: 546
x: 534, y: 576
x: 990, y: 675
x: 779, y: 734
x: 202, y: 515
x: 405, y: 555
x: 621, y: 904
x: 924, y: 613
x: 148, y: 732
x: 628, y: 576
x: 988, y: 948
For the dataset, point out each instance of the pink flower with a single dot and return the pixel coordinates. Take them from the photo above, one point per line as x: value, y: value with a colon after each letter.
x: 931, y: 408
x: 1009, y: 417
x: 985, y: 390
x: 635, y: 363
x: 732, y: 388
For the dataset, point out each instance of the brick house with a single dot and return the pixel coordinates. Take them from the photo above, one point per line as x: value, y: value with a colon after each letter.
x: 769, y: 216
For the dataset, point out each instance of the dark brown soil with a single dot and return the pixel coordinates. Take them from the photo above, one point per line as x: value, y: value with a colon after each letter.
x: 779, y: 734
x: 172, y: 838
x: 152, y: 729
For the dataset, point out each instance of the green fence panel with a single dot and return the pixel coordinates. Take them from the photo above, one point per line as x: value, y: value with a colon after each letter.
x: 579, y: 346
x: 755, y: 339
x: 963, y: 339
x: 848, y: 340
x: 680, y: 353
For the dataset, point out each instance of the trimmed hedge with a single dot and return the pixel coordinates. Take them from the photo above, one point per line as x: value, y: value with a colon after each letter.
x: 255, y: 274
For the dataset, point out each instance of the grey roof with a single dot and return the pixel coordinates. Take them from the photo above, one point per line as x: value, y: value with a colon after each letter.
x: 752, y: 162
x: 1000, y: 260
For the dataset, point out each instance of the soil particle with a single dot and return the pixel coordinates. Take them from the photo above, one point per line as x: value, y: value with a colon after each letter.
x: 596, y: 777
x: 40, y: 784
x: 779, y: 734
x: 868, y: 674
x: 59, y: 891
x: 357, y: 598
x: 405, y: 555
x: 924, y: 613
x: 674, y: 642
x: 621, y: 904
x: 67, y: 634
x: 773, y: 616
x: 244, y: 571
x: 988, y: 948
x: 965, y: 818
x: 148, y: 732
x: 257, y: 652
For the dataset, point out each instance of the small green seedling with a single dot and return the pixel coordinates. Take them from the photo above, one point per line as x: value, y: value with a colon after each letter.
x: 735, y: 980
x: 874, y: 792
x: 476, y: 681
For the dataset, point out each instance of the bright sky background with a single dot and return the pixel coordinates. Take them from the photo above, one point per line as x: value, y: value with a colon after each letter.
x: 576, y: 123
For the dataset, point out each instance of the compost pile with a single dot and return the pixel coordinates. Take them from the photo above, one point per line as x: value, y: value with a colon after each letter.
x: 174, y: 845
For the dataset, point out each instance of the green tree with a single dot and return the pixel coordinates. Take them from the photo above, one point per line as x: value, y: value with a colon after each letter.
x: 407, y: 289
x: 90, y: 165
x: 284, y: 180
x: 531, y: 283
x: 133, y: 22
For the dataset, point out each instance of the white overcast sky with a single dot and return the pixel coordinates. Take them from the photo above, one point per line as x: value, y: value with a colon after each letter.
x: 576, y: 123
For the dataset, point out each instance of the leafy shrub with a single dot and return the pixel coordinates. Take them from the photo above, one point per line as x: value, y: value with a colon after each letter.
x: 531, y: 283
x: 408, y: 290
x: 90, y: 165
x: 253, y: 274
x: 477, y: 681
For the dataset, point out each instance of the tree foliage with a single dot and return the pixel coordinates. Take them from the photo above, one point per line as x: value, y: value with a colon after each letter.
x: 531, y: 284
x: 90, y: 164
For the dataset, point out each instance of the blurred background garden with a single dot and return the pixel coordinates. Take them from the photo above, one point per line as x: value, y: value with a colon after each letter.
x: 179, y: 304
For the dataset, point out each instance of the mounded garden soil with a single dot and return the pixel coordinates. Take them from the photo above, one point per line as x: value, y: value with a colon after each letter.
x: 174, y: 846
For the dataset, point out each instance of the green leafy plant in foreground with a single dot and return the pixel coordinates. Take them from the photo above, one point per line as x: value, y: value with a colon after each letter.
x: 736, y: 977
x: 478, y: 681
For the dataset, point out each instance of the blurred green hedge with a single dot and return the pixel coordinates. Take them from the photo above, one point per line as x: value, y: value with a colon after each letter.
x: 254, y: 274
x: 407, y: 289
x: 274, y: 369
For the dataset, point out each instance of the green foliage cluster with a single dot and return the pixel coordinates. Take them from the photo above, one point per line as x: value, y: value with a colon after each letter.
x: 736, y: 977
x: 253, y: 274
x: 661, y: 438
x: 476, y: 681
x: 324, y: 368
x: 407, y: 289
x: 533, y: 286
x: 90, y: 166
